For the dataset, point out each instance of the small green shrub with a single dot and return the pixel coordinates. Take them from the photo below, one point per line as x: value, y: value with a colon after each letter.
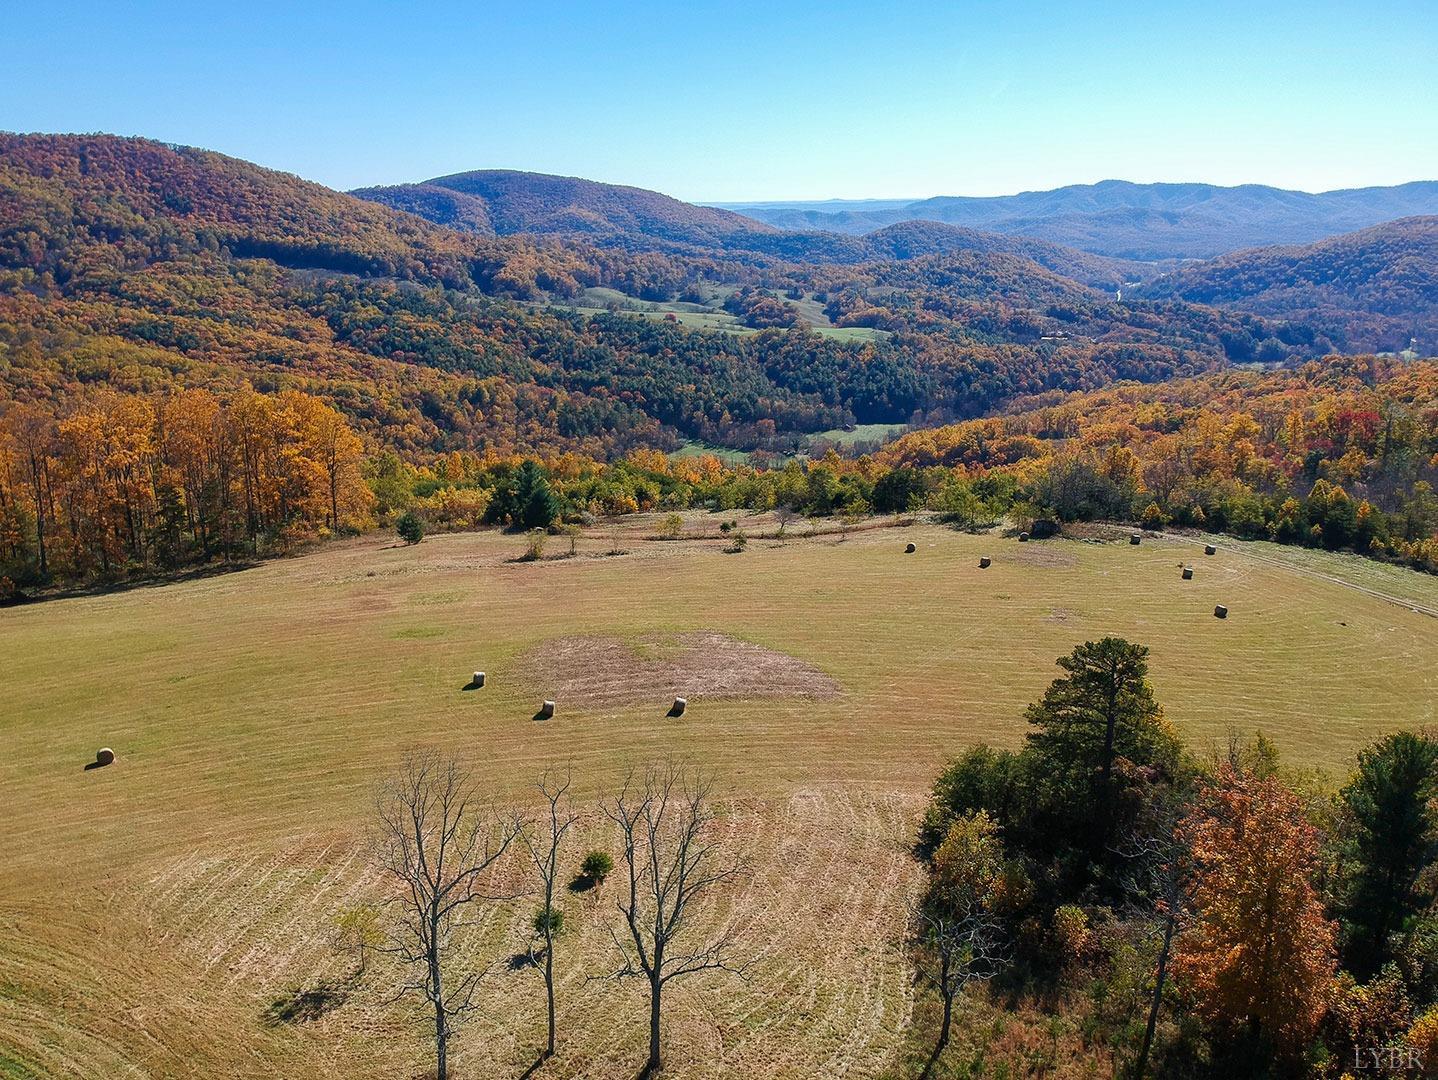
x: 596, y: 866
x: 534, y: 546
x: 409, y: 527
x: 551, y: 919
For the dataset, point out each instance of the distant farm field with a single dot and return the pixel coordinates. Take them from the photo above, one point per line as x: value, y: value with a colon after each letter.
x: 155, y: 914
x: 709, y: 315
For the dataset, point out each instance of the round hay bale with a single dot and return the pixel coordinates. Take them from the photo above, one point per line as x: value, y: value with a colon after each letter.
x: 104, y: 756
x: 546, y: 710
x: 1188, y: 573
x: 680, y: 704
x: 1136, y: 538
x: 1023, y: 538
x: 1220, y: 612
x: 478, y: 679
x: 909, y: 549
x: 1209, y: 549
x: 985, y: 562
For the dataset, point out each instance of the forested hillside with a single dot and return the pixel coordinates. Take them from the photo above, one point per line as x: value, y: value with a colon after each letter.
x: 1369, y: 291
x: 1340, y: 454
x: 511, y: 202
x: 138, y: 266
x: 507, y: 203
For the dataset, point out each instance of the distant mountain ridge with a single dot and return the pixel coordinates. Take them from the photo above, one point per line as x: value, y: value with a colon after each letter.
x: 1374, y: 289
x: 1146, y: 222
x: 510, y: 203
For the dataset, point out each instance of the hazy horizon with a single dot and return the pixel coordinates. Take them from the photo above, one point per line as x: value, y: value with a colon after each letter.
x: 761, y: 201
x: 743, y: 103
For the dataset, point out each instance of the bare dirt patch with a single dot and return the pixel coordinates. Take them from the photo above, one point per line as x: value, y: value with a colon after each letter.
x: 611, y: 671
x: 1046, y: 553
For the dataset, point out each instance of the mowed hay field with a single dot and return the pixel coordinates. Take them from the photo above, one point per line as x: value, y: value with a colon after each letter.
x: 153, y: 913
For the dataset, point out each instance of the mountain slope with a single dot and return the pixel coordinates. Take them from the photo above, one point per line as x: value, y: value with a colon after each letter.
x: 1369, y: 290
x: 1141, y: 221
x: 510, y: 202
x: 130, y: 265
x: 64, y: 195
x: 917, y: 239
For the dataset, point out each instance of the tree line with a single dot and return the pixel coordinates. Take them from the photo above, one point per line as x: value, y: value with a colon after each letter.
x: 135, y: 484
x: 1340, y: 455
x: 1283, y: 928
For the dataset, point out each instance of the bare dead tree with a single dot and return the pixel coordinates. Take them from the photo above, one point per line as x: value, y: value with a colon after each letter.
x: 965, y: 948
x: 785, y: 515
x: 436, y: 843
x: 1156, y: 856
x: 664, y: 819
x: 543, y: 849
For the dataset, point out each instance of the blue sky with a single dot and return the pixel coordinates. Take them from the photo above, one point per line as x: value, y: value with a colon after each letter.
x: 752, y: 101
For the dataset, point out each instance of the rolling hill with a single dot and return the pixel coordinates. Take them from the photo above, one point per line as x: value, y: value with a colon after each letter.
x: 508, y: 203
x: 1369, y: 290
x: 1147, y: 222
x: 132, y: 265
x: 503, y: 202
x: 918, y: 239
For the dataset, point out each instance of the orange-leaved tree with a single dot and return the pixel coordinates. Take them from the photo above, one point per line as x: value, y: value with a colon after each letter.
x: 1257, y: 957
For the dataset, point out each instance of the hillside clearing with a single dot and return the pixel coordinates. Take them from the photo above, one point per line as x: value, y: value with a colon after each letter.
x: 155, y: 914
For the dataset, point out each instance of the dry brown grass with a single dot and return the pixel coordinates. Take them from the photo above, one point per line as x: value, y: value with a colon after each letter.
x: 606, y: 672
x: 153, y: 912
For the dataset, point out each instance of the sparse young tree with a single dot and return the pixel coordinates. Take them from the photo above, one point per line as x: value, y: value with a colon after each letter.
x: 1159, y: 872
x: 357, y: 930
x: 956, y: 924
x: 436, y: 844
x: 543, y: 844
x: 573, y: 532
x: 670, y: 860
x: 785, y: 516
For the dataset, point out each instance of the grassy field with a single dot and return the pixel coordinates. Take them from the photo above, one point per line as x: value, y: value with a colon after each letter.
x: 711, y: 315
x: 153, y: 913
x: 859, y: 433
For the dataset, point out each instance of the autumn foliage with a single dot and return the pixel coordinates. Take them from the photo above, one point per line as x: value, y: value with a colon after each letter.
x: 1257, y: 958
x: 130, y: 482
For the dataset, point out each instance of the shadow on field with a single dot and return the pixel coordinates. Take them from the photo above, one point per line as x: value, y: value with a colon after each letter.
x: 521, y: 960
x: 303, y: 1005
x: 152, y: 581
